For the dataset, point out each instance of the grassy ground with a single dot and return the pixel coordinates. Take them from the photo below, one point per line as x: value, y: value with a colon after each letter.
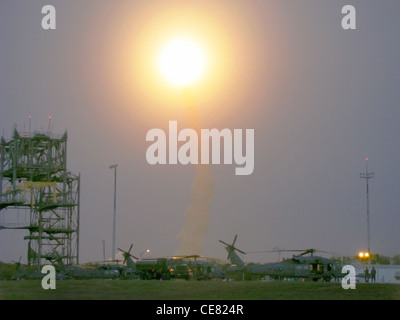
x: 194, y: 290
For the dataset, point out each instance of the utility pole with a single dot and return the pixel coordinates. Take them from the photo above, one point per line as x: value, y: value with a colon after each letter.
x: 367, y: 175
x: 114, y: 166
x: 104, y: 249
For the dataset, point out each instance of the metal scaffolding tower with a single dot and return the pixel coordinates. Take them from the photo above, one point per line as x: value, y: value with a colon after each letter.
x: 34, y: 180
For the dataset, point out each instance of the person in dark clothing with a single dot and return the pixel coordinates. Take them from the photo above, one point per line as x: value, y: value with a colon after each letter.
x: 373, y: 274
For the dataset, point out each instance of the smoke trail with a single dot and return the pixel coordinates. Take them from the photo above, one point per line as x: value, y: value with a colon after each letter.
x: 197, y: 214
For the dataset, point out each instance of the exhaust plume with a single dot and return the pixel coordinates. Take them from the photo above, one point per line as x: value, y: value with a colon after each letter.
x: 197, y: 215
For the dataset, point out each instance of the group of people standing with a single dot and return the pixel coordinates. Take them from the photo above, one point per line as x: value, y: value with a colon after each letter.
x: 369, y: 275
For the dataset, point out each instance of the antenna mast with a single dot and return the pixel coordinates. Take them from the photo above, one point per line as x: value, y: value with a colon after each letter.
x: 367, y: 175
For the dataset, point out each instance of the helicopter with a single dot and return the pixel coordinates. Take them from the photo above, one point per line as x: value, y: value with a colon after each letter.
x: 88, y: 271
x: 305, y: 265
x: 189, y: 267
x: 96, y: 270
x: 146, y: 269
x: 23, y: 274
x: 109, y: 269
x: 203, y: 269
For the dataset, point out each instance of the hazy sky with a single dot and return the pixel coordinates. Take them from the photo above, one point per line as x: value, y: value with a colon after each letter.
x: 320, y: 99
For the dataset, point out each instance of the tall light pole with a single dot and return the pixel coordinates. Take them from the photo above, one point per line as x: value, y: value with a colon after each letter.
x: 104, y: 249
x: 367, y: 175
x: 114, y: 166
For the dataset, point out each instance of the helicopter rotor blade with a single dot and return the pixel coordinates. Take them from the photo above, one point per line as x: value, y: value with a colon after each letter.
x: 224, y: 243
x: 232, y: 246
x: 17, y: 263
x: 234, y: 240
x: 128, y: 253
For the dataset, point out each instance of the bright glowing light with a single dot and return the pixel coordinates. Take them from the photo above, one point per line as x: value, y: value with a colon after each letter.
x: 182, y: 61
